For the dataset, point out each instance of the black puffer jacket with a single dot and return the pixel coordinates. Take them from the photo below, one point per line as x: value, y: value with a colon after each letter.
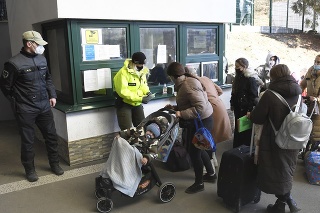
x: 276, y: 166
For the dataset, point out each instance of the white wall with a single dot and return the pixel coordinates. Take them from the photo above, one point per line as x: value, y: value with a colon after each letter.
x: 221, y: 11
x: 25, y: 15
x: 92, y: 123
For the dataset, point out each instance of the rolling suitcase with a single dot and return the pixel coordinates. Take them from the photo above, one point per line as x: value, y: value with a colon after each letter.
x: 237, y: 177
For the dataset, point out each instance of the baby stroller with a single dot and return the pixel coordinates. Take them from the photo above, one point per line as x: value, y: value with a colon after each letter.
x: 158, y: 148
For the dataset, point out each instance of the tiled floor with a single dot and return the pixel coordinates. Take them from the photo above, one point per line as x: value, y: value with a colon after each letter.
x: 74, y: 191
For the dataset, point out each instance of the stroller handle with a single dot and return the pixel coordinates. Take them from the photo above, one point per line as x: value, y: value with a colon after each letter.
x: 171, y: 111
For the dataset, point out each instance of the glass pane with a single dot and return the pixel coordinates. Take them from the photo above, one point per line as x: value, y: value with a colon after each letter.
x: 104, y: 43
x: 194, y: 68
x: 159, y: 46
x: 201, y: 41
x: 210, y: 69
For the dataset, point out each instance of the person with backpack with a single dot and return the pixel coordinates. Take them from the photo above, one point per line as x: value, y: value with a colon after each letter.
x: 276, y: 166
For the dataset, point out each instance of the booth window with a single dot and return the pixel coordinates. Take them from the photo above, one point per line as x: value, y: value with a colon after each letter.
x: 159, y: 46
x: 201, y: 41
x: 103, y: 43
x: 210, y: 70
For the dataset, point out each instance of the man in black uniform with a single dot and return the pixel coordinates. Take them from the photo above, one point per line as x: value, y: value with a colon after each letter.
x: 27, y: 83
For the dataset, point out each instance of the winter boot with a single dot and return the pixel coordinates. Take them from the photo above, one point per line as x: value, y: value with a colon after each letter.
x: 292, y: 205
x: 56, y: 169
x: 278, y: 207
x: 31, y: 173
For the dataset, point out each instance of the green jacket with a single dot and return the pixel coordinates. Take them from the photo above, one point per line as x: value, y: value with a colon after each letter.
x: 131, y: 85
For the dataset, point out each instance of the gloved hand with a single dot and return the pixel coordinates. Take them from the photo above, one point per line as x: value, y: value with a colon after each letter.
x: 147, y: 98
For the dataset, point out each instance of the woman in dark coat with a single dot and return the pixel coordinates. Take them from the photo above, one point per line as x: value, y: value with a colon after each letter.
x: 276, y: 166
x: 243, y: 96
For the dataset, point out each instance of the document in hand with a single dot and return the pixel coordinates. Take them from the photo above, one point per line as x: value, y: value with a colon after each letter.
x: 244, y: 123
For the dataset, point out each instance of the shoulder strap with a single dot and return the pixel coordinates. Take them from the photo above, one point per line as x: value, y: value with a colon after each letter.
x: 286, y: 103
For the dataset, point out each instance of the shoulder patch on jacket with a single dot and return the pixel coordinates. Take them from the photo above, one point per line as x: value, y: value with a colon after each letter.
x: 5, y: 74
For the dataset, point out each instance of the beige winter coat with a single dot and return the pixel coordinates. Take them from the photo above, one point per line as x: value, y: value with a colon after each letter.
x: 311, y: 82
x: 191, y: 98
x: 221, y: 123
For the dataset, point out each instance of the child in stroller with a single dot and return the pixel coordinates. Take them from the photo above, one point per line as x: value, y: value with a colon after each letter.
x: 129, y: 168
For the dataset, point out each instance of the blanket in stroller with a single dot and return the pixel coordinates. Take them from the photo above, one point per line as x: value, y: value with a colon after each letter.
x: 123, y: 167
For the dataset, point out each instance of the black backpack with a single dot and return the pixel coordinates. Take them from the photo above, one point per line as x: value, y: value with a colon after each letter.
x: 179, y: 159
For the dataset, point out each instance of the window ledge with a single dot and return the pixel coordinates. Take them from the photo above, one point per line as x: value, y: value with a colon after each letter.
x: 67, y: 108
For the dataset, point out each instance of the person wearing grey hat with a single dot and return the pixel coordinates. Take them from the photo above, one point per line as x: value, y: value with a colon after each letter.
x: 131, y: 90
x: 26, y: 82
x: 192, y: 100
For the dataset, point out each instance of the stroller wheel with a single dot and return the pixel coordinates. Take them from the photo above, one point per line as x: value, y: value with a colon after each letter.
x: 101, y: 192
x: 166, y: 192
x: 104, y: 205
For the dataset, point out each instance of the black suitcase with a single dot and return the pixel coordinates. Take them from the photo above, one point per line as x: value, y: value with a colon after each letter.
x: 237, y: 178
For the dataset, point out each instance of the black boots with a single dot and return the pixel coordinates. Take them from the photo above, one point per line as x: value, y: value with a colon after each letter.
x: 278, y: 207
x: 292, y: 205
x: 56, y: 169
x: 31, y: 173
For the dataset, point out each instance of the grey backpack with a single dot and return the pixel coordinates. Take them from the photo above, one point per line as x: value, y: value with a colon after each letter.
x: 296, y: 128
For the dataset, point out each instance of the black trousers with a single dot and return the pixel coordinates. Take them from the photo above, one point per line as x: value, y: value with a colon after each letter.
x: 45, y: 123
x: 199, y: 157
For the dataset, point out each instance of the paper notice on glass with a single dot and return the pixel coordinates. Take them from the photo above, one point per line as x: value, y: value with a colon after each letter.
x: 90, y: 78
x: 162, y: 54
x: 104, y: 78
x: 105, y: 52
x: 91, y: 36
x: 244, y: 123
x: 114, y: 51
x: 88, y: 52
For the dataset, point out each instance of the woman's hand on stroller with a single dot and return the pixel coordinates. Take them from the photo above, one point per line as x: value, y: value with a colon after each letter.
x: 169, y: 106
x: 144, y: 161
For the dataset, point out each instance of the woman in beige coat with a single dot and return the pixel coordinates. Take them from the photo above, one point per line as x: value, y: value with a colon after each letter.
x: 192, y: 100
x: 222, y: 128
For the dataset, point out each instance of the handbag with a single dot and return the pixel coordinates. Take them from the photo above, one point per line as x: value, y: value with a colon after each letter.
x: 202, y: 138
x: 184, y: 123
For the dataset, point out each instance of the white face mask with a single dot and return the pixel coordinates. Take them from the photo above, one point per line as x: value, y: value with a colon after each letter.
x: 272, y: 63
x: 39, y: 50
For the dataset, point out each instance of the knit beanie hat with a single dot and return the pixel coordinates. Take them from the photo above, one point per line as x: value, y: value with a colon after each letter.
x: 154, y: 128
x: 138, y: 58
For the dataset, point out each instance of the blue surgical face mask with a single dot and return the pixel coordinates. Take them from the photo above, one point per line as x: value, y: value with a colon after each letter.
x: 316, y: 66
